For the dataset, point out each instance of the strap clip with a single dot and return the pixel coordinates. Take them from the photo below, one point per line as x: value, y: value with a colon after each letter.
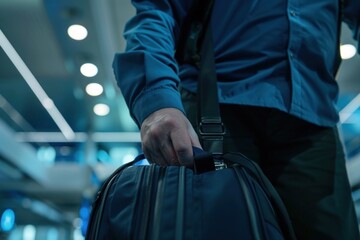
x: 212, y: 132
x: 211, y: 127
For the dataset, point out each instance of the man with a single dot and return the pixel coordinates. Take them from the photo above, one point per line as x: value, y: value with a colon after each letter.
x: 275, y: 64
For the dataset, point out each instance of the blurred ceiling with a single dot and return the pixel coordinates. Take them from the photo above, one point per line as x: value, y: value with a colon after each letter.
x: 37, y: 29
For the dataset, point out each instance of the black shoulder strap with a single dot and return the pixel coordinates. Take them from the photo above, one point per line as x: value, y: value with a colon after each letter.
x: 195, y: 47
x: 192, y: 32
x: 338, y: 59
x: 211, y: 128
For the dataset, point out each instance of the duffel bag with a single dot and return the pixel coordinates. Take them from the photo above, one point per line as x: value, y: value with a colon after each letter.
x: 236, y: 201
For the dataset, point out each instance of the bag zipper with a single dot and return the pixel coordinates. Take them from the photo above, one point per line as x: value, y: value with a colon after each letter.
x: 158, y: 204
x: 180, y: 205
x: 250, y: 206
x: 145, y: 201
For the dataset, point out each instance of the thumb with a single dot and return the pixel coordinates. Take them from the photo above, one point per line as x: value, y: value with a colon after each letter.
x: 195, y: 142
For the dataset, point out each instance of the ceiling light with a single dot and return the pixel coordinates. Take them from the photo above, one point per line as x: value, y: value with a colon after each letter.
x: 47, y: 103
x: 57, y: 137
x: 349, y: 109
x: 77, y: 32
x: 347, y: 51
x: 94, y: 89
x: 29, y: 232
x: 101, y: 109
x: 36, y: 87
x: 88, y: 70
x: 46, y: 155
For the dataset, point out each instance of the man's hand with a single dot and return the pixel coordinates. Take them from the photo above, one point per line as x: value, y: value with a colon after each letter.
x: 167, y: 138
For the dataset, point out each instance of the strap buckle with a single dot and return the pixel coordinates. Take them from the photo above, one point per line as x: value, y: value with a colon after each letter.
x: 211, y: 127
x: 212, y: 132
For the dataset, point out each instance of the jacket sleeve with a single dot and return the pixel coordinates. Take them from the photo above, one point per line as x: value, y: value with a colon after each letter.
x: 147, y: 72
x: 351, y: 16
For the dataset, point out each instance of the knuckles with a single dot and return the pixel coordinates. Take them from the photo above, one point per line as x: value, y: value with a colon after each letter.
x: 156, y: 134
x: 161, y: 128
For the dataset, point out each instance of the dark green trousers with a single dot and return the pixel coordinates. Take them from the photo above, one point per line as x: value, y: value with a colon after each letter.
x: 305, y: 163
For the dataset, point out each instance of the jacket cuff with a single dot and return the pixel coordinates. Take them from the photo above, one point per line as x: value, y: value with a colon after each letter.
x: 155, y: 99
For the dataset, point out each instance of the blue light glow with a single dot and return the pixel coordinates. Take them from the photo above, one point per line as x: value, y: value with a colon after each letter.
x: 84, y: 213
x: 7, y: 220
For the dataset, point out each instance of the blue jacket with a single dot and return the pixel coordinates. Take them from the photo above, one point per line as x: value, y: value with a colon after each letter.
x: 280, y: 54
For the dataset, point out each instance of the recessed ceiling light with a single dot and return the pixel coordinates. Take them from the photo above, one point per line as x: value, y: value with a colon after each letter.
x: 46, y: 155
x: 94, y: 89
x: 77, y: 32
x: 88, y: 69
x: 347, y: 51
x: 101, y: 109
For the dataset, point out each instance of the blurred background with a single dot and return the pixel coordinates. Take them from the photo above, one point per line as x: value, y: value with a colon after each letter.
x: 64, y: 126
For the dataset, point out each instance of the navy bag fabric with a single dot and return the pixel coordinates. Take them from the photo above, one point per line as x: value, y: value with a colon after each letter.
x: 153, y: 202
